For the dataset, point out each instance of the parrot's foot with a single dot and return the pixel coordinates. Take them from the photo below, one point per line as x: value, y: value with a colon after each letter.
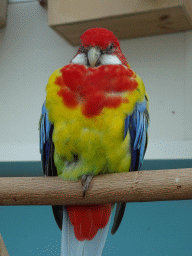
x: 86, y: 179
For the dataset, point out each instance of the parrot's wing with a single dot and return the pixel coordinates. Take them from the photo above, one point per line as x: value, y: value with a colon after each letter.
x: 137, y: 126
x: 46, y: 144
x: 47, y: 157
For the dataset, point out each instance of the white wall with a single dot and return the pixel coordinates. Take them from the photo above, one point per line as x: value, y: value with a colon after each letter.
x: 30, y: 51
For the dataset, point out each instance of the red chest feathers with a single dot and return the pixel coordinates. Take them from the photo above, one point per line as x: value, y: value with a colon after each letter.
x: 95, y: 88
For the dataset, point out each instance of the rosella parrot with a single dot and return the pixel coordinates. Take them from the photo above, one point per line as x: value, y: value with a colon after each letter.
x: 94, y: 121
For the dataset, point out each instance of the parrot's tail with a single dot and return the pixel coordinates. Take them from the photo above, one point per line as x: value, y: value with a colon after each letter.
x: 88, y: 219
x: 71, y: 246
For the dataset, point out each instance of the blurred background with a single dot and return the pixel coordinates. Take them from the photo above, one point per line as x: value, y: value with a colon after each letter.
x: 30, y: 50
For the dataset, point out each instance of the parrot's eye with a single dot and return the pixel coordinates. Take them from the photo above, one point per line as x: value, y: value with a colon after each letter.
x: 83, y: 49
x: 110, y: 48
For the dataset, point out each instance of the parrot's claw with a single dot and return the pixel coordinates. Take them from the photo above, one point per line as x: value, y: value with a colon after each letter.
x: 86, y: 179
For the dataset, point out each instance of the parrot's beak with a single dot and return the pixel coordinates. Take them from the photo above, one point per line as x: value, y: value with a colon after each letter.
x: 93, y: 56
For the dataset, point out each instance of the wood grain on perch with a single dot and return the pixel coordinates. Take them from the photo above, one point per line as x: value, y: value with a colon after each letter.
x: 142, y: 186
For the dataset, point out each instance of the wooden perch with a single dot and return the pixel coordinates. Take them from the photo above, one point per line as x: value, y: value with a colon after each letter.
x: 3, y: 249
x: 142, y: 186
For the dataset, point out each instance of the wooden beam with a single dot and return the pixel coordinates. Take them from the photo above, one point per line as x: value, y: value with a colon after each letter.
x: 142, y: 186
x: 126, y: 19
x: 3, y: 249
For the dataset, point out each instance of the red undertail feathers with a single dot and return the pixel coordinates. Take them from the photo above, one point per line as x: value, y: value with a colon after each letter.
x: 88, y: 219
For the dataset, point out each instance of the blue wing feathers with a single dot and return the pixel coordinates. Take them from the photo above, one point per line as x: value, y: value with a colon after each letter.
x: 45, y: 138
x: 137, y: 125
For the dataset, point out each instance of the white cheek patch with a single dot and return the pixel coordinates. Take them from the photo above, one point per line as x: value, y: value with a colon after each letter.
x: 80, y: 59
x: 108, y: 59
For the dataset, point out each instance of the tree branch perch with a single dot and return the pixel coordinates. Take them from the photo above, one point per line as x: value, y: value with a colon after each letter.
x: 3, y: 249
x: 142, y: 186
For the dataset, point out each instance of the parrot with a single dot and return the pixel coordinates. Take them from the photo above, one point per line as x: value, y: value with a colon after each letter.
x: 94, y: 121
